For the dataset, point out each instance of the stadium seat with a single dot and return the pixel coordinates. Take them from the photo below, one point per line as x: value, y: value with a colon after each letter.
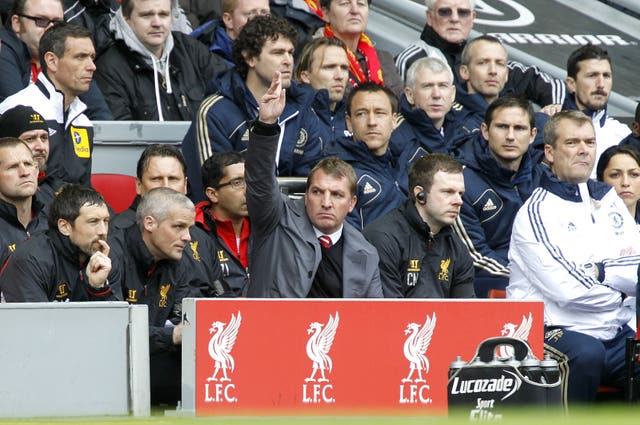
x: 497, y: 293
x: 118, y: 190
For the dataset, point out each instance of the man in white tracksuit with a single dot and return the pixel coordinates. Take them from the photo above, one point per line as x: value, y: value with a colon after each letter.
x: 575, y: 246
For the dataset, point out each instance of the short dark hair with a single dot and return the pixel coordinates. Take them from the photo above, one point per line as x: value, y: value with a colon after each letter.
x: 372, y: 87
x: 67, y: 203
x: 338, y: 168
x: 612, y: 151
x: 327, y: 3
x: 465, y: 57
x: 586, y: 52
x: 511, y: 101
x: 305, y: 60
x: 213, y: 168
x: 637, y: 119
x: 159, y: 150
x: 422, y: 171
x: 54, y: 40
x: 255, y: 34
x: 550, y: 131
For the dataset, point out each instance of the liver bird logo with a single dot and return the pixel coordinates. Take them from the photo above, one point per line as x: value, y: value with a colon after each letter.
x: 521, y: 331
x: 318, y: 347
x: 416, y: 346
x: 221, y: 343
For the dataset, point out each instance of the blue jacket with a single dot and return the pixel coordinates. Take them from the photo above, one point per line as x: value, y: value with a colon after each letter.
x: 416, y: 130
x: 15, y: 68
x: 222, y: 125
x: 381, y: 180
x: 214, y: 35
x: 493, y: 195
x: 631, y: 140
x: 333, y: 123
x: 471, y: 110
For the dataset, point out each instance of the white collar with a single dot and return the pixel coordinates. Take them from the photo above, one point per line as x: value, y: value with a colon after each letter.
x: 335, y: 237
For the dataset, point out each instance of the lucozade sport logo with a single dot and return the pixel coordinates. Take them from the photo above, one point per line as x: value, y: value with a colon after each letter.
x: 317, y: 387
x: 223, y: 338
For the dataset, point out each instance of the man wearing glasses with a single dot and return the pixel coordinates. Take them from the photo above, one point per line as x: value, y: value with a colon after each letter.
x: 19, y: 60
x: 224, y: 216
x: 445, y: 35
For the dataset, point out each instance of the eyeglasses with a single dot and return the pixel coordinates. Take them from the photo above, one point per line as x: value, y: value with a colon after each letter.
x: 235, y: 184
x: 447, y: 12
x: 41, y: 22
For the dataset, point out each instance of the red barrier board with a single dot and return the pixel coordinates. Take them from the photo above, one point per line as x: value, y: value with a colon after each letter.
x: 307, y: 357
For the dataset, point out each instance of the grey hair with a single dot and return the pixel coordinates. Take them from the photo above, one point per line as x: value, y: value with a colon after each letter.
x: 435, y: 65
x: 158, y: 204
x: 550, y: 130
x: 431, y: 4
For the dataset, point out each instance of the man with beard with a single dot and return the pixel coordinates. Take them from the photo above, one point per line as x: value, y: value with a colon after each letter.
x: 21, y: 214
x: 68, y: 262
x: 589, y: 80
x: 28, y: 125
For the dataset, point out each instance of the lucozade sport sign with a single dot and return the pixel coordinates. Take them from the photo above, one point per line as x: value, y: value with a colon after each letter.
x: 308, y: 357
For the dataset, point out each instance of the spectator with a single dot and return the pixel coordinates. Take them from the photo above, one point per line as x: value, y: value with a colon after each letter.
x: 426, y: 123
x: 304, y: 15
x: 152, y: 73
x: 420, y: 256
x: 634, y: 137
x: 155, y: 274
x: 344, y: 264
x: 589, y: 80
x: 24, y: 123
x: 323, y: 64
x: 70, y: 261
x: 164, y: 166
x: 198, y: 12
x: 219, y: 34
x: 224, y: 216
x: 265, y: 45
x: 66, y: 56
x: 21, y: 212
x: 20, y: 59
x: 445, y: 35
x: 347, y: 20
x: 499, y: 176
x: 484, y: 69
x: 619, y: 166
x: 571, y: 247
x: 382, y: 179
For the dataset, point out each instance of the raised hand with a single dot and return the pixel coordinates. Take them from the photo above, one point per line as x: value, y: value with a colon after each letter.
x: 99, y: 266
x: 273, y: 101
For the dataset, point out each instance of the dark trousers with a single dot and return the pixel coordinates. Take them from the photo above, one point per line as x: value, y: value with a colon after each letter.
x: 586, y: 362
x: 166, y: 371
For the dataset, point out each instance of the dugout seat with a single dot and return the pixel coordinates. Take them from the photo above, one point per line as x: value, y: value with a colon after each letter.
x: 118, y: 190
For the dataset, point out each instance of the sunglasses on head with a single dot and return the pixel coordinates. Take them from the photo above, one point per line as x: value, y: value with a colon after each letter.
x: 447, y: 12
x: 41, y: 22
